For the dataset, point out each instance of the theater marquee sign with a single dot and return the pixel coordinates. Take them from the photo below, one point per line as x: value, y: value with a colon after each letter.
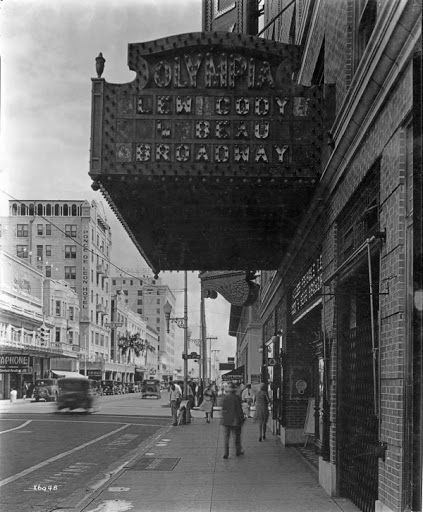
x: 200, y: 105
x: 211, y: 153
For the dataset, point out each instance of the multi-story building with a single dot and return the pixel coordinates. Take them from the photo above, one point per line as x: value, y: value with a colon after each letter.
x: 68, y: 240
x: 341, y: 321
x: 28, y: 331
x: 147, y: 296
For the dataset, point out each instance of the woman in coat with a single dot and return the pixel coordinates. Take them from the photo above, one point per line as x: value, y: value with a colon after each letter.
x: 209, y: 398
x: 261, y: 414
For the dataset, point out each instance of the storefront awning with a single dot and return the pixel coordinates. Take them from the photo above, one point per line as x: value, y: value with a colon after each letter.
x: 235, y: 374
x: 61, y: 373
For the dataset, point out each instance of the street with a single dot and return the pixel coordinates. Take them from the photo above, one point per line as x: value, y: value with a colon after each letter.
x: 53, y: 459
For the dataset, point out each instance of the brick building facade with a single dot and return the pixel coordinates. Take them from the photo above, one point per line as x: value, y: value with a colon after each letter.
x: 341, y: 314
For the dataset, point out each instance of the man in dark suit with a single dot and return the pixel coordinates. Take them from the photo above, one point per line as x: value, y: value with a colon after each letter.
x: 232, y: 420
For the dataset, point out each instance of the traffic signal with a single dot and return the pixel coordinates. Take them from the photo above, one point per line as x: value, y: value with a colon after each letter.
x: 44, y: 334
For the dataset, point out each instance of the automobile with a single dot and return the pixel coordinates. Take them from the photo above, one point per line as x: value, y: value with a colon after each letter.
x: 78, y: 393
x: 133, y: 387
x: 46, y: 389
x: 109, y: 387
x: 150, y: 387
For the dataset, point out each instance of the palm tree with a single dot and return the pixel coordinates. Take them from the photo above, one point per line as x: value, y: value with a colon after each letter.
x: 133, y: 342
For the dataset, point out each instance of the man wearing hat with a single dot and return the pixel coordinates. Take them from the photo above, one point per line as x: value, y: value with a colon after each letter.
x: 232, y: 420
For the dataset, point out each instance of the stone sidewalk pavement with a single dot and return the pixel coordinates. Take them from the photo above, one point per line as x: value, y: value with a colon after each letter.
x: 184, y: 471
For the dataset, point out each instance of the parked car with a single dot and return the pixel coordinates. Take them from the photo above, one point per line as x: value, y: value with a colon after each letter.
x: 133, y: 387
x: 109, y: 387
x: 46, y: 389
x: 78, y: 393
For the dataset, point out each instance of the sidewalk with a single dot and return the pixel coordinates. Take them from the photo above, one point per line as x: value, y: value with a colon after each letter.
x: 184, y: 471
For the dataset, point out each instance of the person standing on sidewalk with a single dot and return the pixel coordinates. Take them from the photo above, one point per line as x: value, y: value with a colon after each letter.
x: 232, y: 420
x: 175, y: 400
x: 207, y: 404
x: 261, y: 414
x: 247, y: 400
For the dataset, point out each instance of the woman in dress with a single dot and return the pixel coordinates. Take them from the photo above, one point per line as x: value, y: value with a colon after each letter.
x: 261, y: 414
x: 209, y: 398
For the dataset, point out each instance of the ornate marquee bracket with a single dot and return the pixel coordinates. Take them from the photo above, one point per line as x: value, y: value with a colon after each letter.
x: 236, y: 287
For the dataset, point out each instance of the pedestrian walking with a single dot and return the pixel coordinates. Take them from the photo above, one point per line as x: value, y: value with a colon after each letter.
x: 261, y: 414
x: 247, y: 398
x: 175, y: 400
x: 232, y: 420
x: 209, y: 398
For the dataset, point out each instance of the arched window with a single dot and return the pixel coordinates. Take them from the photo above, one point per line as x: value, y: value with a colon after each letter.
x: 48, y: 209
x: 57, y: 210
x: 31, y: 209
x: 14, y: 209
x: 74, y: 210
x: 23, y: 209
x: 65, y: 210
x: 39, y: 209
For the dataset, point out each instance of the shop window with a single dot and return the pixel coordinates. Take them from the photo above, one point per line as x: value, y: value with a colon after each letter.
x: 40, y: 230
x: 22, y: 251
x: 22, y: 230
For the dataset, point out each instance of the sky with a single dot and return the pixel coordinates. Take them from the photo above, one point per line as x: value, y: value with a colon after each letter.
x: 48, y: 50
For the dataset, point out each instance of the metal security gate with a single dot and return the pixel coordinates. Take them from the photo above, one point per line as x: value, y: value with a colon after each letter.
x: 358, y: 433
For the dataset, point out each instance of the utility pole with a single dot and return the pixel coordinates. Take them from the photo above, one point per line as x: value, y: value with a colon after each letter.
x: 215, y: 350
x: 210, y: 338
x: 203, y: 341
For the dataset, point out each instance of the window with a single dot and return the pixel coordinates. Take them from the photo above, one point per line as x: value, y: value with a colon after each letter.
x: 70, y: 230
x: 158, y: 301
x: 132, y: 282
x: 39, y: 253
x: 71, y: 313
x: 58, y: 307
x: 22, y: 251
x: 114, y: 282
x: 22, y: 230
x: 48, y: 271
x: 48, y: 250
x: 48, y: 210
x: 97, y: 336
x: 92, y: 296
x: 40, y: 230
x: 70, y: 251
x: 158, y: 311
x: 158, y: 329
x: 92, y: 275
x: 124, y: 281
x: 102, y: 340
x: 57, y: 338
x: 365, y: 21
x: 139, y: 302
x: 139, y: 311
x: 48, y: 229
x: 158, y: 320
x: 125, y: 292
x: 139, y: 292
x: 70, y: 272
x: 70, y: 337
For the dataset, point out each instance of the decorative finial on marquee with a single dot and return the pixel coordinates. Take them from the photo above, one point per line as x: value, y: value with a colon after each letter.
x: 99, y: 64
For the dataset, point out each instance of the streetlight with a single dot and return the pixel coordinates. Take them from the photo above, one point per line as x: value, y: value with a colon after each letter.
x: 183, y: 324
